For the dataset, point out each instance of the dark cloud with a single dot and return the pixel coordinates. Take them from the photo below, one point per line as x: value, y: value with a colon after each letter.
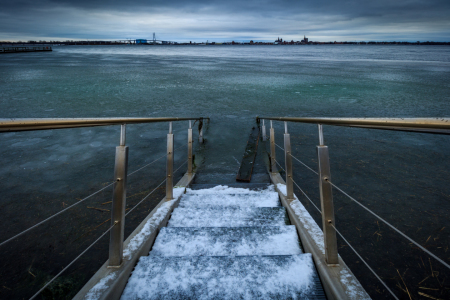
x: 180, y: 20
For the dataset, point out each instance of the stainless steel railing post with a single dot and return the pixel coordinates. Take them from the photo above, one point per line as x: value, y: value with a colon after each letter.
x: 190, y: 148
x: 119, y: 202
x: 169, y: 166
x: 273, y: 163
x: 288, y: 164
x: 263, y: 131
x: 326, y: 202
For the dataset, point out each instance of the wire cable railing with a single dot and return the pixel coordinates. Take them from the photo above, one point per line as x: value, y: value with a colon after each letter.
x: 58, y: 213
x: 391, y: 226
x: 72, y: 262
x: 120, y: 174
x: 345, y: 240
x: 79, y: 202
x: 370, y: 211
x: 154, y: 190
x: 338, y: 232
x: 109, y: 229
x: 325, y: 187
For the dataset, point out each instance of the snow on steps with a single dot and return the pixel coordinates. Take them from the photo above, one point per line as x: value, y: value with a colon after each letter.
x: 224, y: 277
x: 226, y: 243
x: 232, y: 216
x: 269, y: 199
x: 220, y: 241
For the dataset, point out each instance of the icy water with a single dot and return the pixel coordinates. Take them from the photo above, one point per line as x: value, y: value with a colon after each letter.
x: 401, y: 176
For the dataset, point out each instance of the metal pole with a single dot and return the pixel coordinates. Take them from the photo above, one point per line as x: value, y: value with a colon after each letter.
x: 263, y: 131
x: 273, y: 164
x: 326, y: 202
x: 190, y: 148
x: 321, y: 142
x: 288, y: 164
x: 119, y: 202
x: 169, y: 168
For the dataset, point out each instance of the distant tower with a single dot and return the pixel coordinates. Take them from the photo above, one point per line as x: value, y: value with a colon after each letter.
x: 154, y: 37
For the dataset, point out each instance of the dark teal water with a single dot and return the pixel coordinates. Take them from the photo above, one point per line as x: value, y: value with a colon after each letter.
x: 401, y: 176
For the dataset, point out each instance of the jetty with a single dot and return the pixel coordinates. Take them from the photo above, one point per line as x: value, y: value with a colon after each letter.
x: 247, y: 236
x: 24, y: 49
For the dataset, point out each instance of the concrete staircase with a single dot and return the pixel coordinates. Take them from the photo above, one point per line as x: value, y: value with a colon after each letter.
x: 226, y: 243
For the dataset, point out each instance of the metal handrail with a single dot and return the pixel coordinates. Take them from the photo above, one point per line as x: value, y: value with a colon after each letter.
x: 8, y: 125
x: 425, y: 125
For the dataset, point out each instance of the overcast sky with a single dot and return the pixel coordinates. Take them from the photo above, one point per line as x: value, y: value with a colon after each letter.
x: 226, y: 20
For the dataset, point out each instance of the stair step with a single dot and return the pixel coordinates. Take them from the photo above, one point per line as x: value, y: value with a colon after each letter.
x: 250, y: 186
x: 231, y: 216
x: 236, y: 277
x: 222, y: 241
x: 255, y: 199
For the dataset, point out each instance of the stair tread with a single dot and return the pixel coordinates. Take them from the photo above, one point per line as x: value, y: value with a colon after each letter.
x: 229, y: 216
x: 267, y: 199
x: 222, y: 241
x: 249, y: 186
x: 224, y: 277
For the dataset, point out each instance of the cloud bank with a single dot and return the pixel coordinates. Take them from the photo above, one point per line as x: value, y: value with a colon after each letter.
x: 199, y: 20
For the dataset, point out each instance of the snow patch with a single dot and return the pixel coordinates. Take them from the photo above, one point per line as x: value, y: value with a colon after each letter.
x: 267, y: 199
x: 97, y: 290
x: 178, y: 191
x: 226, y: 277
x: 351, y: 284
x: 148, y: 228
x: 224, y: 189
x: 219, y: 241
x: 308, y: 222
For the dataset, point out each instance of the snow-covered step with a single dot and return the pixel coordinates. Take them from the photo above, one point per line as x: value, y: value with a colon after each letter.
x: 231, y: 216
x: 225, y: 189
x: 248, y: 186
x: 236, y: 277
x: 222, y: 241
x: 267, y: 199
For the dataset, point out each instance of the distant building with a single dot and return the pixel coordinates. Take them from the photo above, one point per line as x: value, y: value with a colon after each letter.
x: 141, y: 41
x: 305, y: 40
x: 278, y: 41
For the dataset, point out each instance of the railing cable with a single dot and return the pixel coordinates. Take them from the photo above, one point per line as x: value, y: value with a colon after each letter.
x: 109, y: 229
x: 80, y: 201
x: 153, y: 190
x: 58, y: 213
x: 381, y: 219
x: 306, y: 195
x: 312, y: 170
x: 354, y: 250
x: 367, y: 265
x: 153, y: 161
x: 391, y: 226
x: 280, y: 166
x: 48, y: 283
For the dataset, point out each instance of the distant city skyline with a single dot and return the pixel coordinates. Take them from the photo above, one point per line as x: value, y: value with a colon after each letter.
x: 223, y: 21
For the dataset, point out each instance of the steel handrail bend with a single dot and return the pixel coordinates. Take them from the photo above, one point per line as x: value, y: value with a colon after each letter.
x: 8, y: 125
x: 424, y: 125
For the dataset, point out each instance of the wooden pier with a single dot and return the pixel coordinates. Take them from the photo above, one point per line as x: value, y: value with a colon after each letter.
x: 24, y: 49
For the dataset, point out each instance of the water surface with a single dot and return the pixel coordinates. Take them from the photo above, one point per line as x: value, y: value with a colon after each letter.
x: 401, y: 176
